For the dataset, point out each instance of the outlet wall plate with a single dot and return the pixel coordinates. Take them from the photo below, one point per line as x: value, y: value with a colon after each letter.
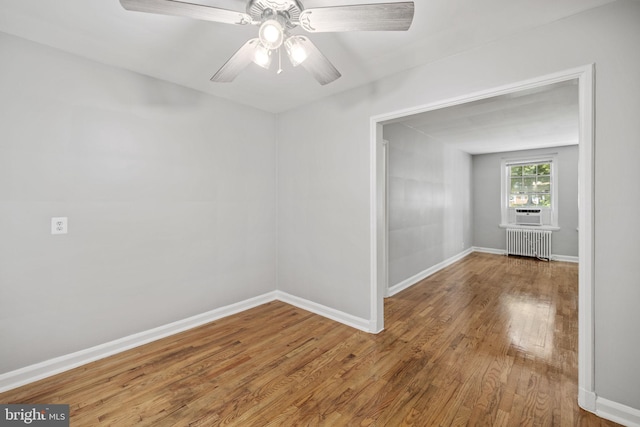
x: 59, y: 225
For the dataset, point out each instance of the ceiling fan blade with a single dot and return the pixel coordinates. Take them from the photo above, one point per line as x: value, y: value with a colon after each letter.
x: 362, y: 17
x: 238, y: 62
x: 189, y: 10
x: 317, y: 64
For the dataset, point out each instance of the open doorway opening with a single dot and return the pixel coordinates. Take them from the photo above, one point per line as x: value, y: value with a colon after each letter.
x: 456, y: 238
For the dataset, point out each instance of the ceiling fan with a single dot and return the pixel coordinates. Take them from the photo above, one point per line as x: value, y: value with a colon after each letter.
x: 276, y: 19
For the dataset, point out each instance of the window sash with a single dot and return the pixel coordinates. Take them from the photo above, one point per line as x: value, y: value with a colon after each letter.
x: 530, y: 189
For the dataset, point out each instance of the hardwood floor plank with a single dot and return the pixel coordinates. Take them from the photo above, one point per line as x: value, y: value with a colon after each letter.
x: 489, y: 341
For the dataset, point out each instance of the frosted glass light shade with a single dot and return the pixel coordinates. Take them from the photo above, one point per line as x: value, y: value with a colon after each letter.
x: 271, y: 34
x: 295, y: 50
x: 262, y: 57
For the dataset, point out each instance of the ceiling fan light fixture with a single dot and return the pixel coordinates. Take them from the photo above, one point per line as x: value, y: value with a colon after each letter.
x: 295, y: 50
x: 271, y: 33
x: 276, y: 19
x: 262, y: 57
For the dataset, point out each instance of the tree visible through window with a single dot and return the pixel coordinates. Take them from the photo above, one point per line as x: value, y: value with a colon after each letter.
x: 530, y: 185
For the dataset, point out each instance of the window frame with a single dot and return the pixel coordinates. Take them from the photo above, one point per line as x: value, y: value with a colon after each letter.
x: 552, y: 217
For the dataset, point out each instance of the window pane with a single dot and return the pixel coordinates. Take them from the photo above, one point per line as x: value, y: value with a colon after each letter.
x: 540, y: 200
x: 529, y: 184
x: 529, y: 200
x: 536, y: 200
x: 516, y: 185
x: 544, y: 169
x: 518, y: 200
x: 545, y: 200
x: 543, y: 185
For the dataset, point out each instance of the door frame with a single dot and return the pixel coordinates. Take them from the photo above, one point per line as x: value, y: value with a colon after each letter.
x: 586, y: 230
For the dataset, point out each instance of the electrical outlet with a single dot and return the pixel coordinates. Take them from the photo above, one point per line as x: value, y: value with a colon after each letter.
x: 59, y: 225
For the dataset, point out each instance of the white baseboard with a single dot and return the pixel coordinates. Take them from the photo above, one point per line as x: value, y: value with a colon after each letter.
x: 565, y: 258
x: 426, y: 273
x: 562, y: 258
x: 38, y: 371
x: 587, y: 400
x: 330, y: 313
x: 51, y: 367
x: 489, y: 251
x: 617, y: 412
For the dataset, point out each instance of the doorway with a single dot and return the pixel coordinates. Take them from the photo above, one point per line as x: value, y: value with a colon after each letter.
x: 379, y: 232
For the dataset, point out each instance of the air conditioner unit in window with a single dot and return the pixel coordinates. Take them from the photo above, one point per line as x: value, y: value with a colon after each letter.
x: 528, y: 216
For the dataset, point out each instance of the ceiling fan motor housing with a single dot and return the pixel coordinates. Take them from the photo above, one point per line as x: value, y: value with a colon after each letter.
x: 259, y: 10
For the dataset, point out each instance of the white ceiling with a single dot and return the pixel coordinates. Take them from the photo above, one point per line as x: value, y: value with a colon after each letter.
x: 188, y: 52
x: 543, y: 117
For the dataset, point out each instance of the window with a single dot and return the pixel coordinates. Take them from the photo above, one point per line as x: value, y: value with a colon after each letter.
x: 529, y: 183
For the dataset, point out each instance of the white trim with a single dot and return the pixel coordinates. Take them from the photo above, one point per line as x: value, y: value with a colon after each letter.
x: 585, y: 75
x: 530, y: 227
x: 378, y: 233
x: 560, y: 258
x: 617, y: 412
x: 373, y: 220
x: 586, y: 230
x: 426, y: 273
x: 328, y: 312
x: 565, y: 258
x: 489, y: 251
x: 587, y: 400
x: 514, y: 159
x: 386, y: 180
x: 48, y: 368
x: 574, y: 73
x: 51, y: 367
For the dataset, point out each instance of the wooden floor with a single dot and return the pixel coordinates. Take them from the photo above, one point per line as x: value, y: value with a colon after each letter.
x: 488, y: 341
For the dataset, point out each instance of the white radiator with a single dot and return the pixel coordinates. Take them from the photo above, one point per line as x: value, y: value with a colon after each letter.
x: 526, y: 242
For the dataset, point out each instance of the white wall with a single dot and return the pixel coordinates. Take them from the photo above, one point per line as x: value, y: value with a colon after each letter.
x: 429, y: 202
x: 487, y: 195
x: 323, y: 205
x: 323, y: 177
x: 170, y: 196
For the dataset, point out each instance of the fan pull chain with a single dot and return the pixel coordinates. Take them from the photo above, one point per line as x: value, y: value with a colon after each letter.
x: 279, y: 60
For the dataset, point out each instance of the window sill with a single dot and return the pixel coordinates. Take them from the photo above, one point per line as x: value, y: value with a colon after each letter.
x: 531, y: 227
